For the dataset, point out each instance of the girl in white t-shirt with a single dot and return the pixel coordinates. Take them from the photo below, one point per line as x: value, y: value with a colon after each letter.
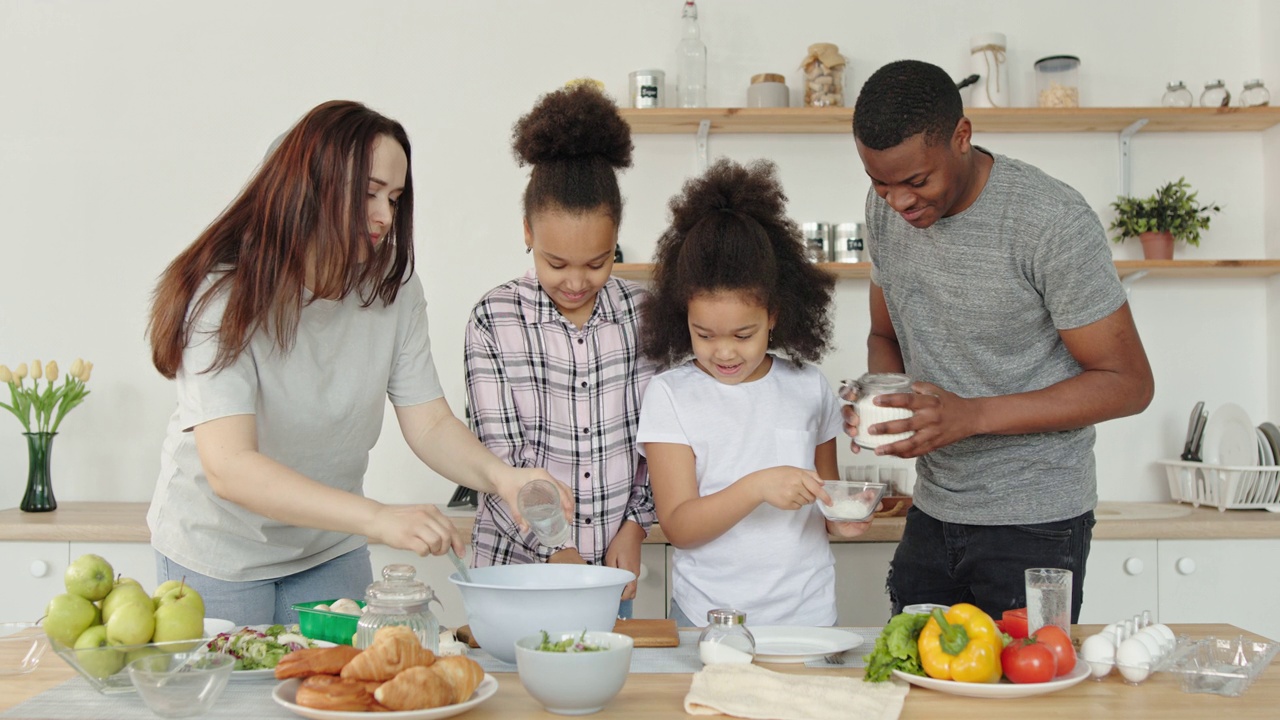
x: 738, y: 440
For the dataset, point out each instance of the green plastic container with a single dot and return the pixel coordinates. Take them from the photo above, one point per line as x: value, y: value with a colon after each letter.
x: 326, y: 625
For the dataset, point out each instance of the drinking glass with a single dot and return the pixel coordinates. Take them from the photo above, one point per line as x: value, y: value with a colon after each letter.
x: 539, y: 503
x: 1048, y: 599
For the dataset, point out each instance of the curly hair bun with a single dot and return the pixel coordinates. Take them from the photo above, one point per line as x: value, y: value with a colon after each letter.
x: 572, y: 122
x: 751, y: 190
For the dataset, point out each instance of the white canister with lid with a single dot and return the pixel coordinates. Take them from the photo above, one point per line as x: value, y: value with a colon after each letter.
x: 768, y: 90
x: 987, y: 60
x: 647, y: 89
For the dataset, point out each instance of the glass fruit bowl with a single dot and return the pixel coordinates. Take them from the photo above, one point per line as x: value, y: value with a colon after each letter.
x: 852, y: 500
x: 21, y: 647
x: 180, y: 684
x: 104, y: 666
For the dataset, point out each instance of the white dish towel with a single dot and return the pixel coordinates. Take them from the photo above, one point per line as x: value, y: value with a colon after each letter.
x: 750, y: 691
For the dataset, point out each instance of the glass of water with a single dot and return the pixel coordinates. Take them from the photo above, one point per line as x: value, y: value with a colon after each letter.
x: 1048, y: 599
x: 539, y: 503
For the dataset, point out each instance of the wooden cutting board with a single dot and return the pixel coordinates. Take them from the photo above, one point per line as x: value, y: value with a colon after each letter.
x: 645, y: 633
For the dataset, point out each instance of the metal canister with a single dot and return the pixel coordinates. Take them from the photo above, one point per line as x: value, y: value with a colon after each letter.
x: 647, y: 88
x: 848, y: 242
x: 817, y: 240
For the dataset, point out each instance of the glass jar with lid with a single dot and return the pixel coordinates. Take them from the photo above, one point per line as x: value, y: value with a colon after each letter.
x: 726, y: 638
x: 823, y: 76
x: 864, y: 391
x: 1255, y: 94
x: 1215, y: 94
x: 399, y: 599
x: 1176, y: 94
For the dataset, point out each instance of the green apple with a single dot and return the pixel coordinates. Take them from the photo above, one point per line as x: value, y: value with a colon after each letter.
x: 131, y: 623
x: 179, y: 615
x: 66, y: 617
x: 123, y: 595
x: 184, y: 595
x: 147, y: 651
x: 165, y: 587
x: 122, y: 580
x: 95, y: 655
x: 90, y: 577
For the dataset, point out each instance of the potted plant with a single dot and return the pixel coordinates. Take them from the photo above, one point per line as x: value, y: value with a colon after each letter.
x: 1173, y: 213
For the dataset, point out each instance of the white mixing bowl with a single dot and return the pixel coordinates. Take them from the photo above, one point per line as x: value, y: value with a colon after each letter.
x: 507, y: 602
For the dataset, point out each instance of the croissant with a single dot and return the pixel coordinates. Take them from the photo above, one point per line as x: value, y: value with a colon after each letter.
x: 462, y: 673
x: 418, y: 688
x: 393, y: 649
x: 329, y: 692
x: 314, y: 661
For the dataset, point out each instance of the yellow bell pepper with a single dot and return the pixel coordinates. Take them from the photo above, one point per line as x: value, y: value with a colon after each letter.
x: 962, y: 645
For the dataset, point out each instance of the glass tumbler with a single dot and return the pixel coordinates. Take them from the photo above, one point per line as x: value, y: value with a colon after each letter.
x: 1048, y: 599
x: 539, y: 503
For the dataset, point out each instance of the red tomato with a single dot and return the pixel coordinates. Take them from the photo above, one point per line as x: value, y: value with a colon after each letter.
x: 1059, y: 643
x: 1014, y: 623
x: 1028, y: 661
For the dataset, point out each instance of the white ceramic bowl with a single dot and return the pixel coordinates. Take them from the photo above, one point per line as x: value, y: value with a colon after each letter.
x: 507, y: 602
x: 574, y: 683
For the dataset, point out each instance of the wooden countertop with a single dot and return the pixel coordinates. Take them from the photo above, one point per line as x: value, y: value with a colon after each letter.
x: 126, y: 522
x: 662, y: 696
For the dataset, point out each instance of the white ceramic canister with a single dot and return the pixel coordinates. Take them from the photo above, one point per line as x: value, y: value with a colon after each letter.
x: 987, y: 61
x: 868, y: 387
x: 768, y: 90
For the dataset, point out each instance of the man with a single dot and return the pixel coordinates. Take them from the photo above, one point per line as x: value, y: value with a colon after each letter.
x: 993, y: 287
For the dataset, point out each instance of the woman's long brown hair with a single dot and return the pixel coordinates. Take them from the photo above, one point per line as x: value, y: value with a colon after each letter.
x: 307, y: 203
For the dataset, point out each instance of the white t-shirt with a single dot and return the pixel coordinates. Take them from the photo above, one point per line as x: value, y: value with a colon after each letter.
x: 776, y: 565
x: 318, y: 410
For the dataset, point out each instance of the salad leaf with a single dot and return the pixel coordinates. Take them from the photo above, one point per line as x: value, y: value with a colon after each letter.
x: 260, y: 649
x: 569, y: 644
x: 896, y: 648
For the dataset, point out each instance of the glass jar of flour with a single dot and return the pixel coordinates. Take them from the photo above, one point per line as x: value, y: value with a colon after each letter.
x: 864, y: 391
x: 726, y: 638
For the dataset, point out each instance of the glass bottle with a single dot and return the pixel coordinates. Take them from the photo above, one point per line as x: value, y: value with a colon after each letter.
x: 1215, y: 95
x: 1255, y: 94
x: 1177, y: 95
x: 726, y: 638
x: 399, y: 599
x: 987, y: 60
x: 691, y: 61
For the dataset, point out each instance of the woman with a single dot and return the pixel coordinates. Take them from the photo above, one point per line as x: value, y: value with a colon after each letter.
x: 287, y: 324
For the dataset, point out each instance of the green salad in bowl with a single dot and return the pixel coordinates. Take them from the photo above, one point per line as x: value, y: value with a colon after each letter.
x: 569, y: 644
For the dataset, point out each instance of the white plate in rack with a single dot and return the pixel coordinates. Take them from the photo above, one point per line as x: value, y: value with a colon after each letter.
x: 1229, y: 438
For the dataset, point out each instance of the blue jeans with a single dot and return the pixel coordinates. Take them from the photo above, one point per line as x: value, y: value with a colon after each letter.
x: 269, y: 601
x: 948, y: 563
x: 682, y: 620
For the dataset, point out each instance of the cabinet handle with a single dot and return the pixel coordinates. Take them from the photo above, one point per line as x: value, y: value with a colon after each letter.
x: 1133, y: 566
x: 1185, y: 565
x: 39, y: 568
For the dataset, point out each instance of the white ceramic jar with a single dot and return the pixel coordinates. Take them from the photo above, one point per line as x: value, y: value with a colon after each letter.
x: 768, y: 90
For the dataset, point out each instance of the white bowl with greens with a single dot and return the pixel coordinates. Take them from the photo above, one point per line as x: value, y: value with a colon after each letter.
x: 574, y: 673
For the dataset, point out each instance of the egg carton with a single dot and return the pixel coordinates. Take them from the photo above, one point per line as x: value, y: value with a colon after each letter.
x: 1221, y: 666
x: 1226, y: 487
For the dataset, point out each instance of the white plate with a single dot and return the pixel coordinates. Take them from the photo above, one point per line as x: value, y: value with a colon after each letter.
x: 1001, y: 689
x: 1229, y: 438
x: 286, y: 691
x: 782, y: 644
x: 1265, y: 455
x: 261, y: 673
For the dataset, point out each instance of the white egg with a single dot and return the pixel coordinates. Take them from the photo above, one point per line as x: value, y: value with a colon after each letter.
x: 1170, y: 639
x: 1153, y: 642
x: 1133, y: 660
x: 1100, y: 652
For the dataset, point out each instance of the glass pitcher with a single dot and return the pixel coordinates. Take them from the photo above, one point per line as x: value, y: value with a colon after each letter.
x: 399, y: 599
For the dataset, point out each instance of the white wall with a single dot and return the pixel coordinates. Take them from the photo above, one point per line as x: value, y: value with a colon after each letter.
x: 129, y: 125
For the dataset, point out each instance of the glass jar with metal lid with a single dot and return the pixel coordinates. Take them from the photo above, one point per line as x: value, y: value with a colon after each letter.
x: 863, y: 392
x: 1255, y: 94
x: 1215, y: 94
x: 726, y: 638
x: 1177, y: 95
x: 399, y: 599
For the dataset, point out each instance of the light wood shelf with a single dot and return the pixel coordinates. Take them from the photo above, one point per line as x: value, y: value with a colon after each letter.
x: 1002, y: 120
x: 1126, y: 268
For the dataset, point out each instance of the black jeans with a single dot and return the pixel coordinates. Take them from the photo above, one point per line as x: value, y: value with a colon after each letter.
x: 948, y: 563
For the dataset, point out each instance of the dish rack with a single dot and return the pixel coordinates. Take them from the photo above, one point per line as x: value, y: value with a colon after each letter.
x: 1226, y: 487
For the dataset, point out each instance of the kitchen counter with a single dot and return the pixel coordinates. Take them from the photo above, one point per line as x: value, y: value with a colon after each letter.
x: 662, y: 696
x: 126, y: 522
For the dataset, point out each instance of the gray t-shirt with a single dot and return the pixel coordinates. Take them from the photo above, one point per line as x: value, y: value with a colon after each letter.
x: 318, y: 409
x: 977, y: 300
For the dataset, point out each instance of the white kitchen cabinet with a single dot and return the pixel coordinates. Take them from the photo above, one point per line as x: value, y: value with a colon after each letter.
x: 1120, y: 581
x: 651, y: 592
x: 1221, y: 581
x: 861, y: 570
x: 133, y: 560
x: 35, y: 571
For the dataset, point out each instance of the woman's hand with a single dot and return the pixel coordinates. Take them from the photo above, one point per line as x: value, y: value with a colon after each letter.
x: 509, y: 482
x: 422, y: 529
x: 624, y: 553
x: 788, y: 488
x: 567, y: 556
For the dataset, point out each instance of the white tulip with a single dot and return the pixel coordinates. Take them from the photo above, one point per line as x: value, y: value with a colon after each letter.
x: 51, y: 371
x: 6, y: 376
x: 36, y: 372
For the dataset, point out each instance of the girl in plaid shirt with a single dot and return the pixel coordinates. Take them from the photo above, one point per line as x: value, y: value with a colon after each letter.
x: 737, y: 439
x: 554, y: 372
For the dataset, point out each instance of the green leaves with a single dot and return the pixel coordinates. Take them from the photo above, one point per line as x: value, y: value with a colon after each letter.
x: 896, y: 648
x: 1173, y: 208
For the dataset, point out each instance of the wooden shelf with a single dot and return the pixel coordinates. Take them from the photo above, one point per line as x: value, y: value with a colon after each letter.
x: 1126, y: 268
x: 1002, y: 120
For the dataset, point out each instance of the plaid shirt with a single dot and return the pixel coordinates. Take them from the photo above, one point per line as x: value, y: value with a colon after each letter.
x: 544, y: 393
